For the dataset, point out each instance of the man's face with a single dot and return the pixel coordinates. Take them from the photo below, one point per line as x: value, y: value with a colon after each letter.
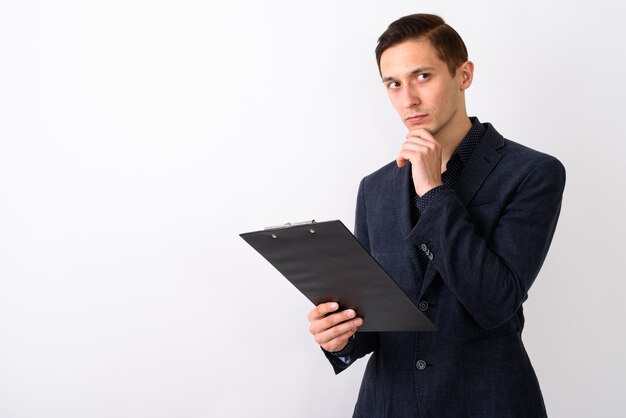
x: 421, y: 88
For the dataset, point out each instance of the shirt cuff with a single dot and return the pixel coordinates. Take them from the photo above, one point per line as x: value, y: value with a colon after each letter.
x: 423, y: 201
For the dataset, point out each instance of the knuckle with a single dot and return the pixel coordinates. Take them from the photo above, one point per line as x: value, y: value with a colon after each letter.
x: 339, y: 330
x: 339, y: 319
x: 330, y: 321
x: 330, y: 333
x: 315, y: 312
x: 332, y: 347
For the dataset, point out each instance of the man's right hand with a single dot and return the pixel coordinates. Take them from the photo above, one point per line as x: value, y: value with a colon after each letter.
x: 332, y: 330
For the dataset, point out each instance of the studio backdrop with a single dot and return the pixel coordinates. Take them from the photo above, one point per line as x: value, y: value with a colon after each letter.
x: 139, y: 138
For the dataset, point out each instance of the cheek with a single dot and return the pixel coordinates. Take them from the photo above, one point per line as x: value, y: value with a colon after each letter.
x: 432, y: 96
x: 441, y: 101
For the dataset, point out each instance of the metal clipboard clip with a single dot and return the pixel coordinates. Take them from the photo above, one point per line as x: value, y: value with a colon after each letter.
x: 290, y: 225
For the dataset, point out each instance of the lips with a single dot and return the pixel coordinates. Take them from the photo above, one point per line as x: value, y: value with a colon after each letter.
x: 415, y: 119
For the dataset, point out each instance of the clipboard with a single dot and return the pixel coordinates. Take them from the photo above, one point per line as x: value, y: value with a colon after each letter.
x: 325, y: 262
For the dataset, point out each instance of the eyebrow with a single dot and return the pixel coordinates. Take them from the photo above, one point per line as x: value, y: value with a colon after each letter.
x: 414, y: 72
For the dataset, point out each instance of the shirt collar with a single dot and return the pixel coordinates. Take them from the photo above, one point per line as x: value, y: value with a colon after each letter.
x: 468, y: 144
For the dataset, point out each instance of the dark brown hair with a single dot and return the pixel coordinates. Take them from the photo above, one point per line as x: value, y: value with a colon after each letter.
x: 446, y: 41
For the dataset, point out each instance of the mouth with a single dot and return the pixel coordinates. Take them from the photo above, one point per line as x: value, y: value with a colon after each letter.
x: 415, y: 119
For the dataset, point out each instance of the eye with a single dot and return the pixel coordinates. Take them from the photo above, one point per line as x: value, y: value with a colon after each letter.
x: 393, y: 85
x: 423, y: 76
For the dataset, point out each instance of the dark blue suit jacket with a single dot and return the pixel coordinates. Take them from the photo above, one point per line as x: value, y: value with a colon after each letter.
x: 488, y: 239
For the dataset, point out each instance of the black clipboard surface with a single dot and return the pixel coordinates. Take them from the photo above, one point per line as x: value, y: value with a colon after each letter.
x: 327, y: 263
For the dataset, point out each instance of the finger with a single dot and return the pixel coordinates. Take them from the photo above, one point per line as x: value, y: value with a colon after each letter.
x: 414, y: 156
x: 421, y: 133
x: 416, y: 138
x: 422, y: 139
x: 414, y: 149
x: 330, y: 321
x: 421, y: 150
x: 403, y: 157
x: 339, y: 342
x: 416, y: 146
x: 330, y: 334
x: 322, y: 309
x: 337, y: 331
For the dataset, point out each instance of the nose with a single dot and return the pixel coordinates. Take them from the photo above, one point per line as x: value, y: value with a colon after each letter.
x: 409, y: 97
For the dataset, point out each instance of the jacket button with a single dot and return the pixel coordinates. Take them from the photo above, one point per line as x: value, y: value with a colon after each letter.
x: 424, y: 248
x: 421, y: 365
x: 423, y: 306
x: 430, y: 256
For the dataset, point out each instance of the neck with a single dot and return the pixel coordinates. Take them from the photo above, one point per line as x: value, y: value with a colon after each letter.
x: 451, y: 137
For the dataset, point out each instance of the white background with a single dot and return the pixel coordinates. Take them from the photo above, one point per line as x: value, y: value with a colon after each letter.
x: 139, y: 138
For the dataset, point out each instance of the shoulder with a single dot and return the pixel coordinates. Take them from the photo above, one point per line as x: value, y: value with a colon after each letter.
x: 520, y: 159
x: 381, y: 184
x: 381, y: 176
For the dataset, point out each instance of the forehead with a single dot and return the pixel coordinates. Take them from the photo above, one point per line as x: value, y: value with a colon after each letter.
x: 408, y: 55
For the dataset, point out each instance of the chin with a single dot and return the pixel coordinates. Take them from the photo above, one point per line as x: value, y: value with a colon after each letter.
x: 425, y: 126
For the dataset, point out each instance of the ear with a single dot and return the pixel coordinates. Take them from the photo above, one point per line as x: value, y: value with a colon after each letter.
x: 466, y: 73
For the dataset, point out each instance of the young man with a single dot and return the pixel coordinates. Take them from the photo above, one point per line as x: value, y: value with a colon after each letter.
x: 462, y: 221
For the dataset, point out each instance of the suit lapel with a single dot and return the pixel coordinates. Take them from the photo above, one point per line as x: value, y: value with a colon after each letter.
x: 481, y: 163
x: 477, y: 168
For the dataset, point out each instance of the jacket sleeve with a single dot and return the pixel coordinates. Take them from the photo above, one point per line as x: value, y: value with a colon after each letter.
x: 364, y: 342
x: 491, y: 277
